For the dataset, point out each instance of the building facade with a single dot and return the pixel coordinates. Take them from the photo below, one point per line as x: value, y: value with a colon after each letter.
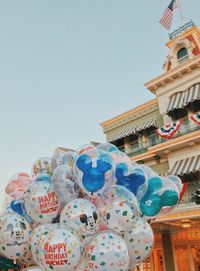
x: 164, y: 133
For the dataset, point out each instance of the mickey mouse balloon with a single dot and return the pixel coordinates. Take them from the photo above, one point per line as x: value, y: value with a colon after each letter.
x: 94, y: 171
x: 82, y: 216
x: 60, y: 249
x: 134, y: 179
x: 161, y: 193
x: 14, y: 234
x: 41, y: 202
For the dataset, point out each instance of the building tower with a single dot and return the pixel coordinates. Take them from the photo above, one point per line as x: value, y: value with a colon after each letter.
x: 164, y: 134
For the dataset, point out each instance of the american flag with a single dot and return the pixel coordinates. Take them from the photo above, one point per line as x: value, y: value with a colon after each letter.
x: 167, y: 17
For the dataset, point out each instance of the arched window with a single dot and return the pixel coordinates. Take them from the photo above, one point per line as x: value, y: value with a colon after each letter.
x: 182, y: 53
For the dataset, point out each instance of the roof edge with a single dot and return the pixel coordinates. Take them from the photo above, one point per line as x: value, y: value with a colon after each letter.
x: 129, y: 112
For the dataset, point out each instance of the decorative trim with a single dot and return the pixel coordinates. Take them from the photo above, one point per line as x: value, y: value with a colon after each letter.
x: 182, y: 68
x: 139, y: 110
x: 196, y: 118
x: 169, y: 130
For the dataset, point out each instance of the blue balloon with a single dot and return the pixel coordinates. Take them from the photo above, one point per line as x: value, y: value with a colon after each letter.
x: 42, y: 177
x: 153, y: 206
x: 93, y: 177
x: 152, y: 202
x: 132, y: 181
x: 16, y: 206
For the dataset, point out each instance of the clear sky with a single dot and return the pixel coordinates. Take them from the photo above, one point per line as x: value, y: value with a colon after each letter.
x: 68, y: 65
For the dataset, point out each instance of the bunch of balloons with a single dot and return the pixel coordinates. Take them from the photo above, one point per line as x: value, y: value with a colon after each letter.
x: 84, y: 210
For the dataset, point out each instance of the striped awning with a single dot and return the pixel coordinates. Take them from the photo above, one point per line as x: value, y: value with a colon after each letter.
x: 147, y: 124
x: 176, y: 101
x: 186, y: 166
x: 132, y: 130
x: 121, y: 134
x: 192, y: 94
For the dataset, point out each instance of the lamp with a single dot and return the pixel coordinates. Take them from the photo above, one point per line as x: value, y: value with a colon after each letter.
x: 186, y: 224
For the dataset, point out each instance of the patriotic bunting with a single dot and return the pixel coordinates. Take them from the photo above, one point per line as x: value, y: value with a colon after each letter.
x: 169, y: 130
x: 196, y: 118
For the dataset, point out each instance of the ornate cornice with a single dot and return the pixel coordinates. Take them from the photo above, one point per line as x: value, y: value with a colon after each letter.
x: 173, y: 74
x: 130, y: 115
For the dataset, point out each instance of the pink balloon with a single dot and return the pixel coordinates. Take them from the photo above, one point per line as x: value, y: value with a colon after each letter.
x: 10, y: 188
x: 18, y: 175
x: 17, y: 184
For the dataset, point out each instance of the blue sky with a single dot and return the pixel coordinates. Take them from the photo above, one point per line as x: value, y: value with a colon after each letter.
x: 68, y: 65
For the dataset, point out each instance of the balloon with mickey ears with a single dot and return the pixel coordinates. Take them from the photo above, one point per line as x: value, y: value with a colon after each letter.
x: 158, y: 196
x: 99, y: 228
x: 14, y: 234
x: 134, y: 179
x: 82, y: 216
x: 94, y: 170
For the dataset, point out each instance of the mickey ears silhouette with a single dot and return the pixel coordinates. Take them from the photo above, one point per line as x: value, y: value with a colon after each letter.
x: 93, y: 167
x: 158, y: 196
x: 134, y: 180
x: 84, y: 163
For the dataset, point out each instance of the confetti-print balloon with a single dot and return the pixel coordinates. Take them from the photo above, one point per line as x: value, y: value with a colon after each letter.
x: 14, y: 234
x: 64, y: 184
x: 118, y: 208
x: 83, y: 265
x: 36, y: 238
x: 108, y: 252
x: 26, y: 259
x: 42, y: 165
x: 82, y: 216
x: 41, y: 202
x: 140, y: 241
x: 62, y: 157
x: 60, y: 249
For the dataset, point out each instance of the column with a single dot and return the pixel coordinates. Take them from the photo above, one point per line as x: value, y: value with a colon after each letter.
x: 127, y: 145
x: 168, y: 251
x: 191, y: 261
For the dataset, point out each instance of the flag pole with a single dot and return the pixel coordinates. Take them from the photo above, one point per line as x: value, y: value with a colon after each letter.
x: 181, y: 12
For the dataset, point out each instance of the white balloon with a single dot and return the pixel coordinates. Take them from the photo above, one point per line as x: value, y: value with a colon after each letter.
x: 60, y: 249
x: 177, y: 181
x: 14, y: 234
x: 82, y: 216
x: 64, y: 185
x: 41, y: 202
x: 140, y: 241
x: 108, y: 252
x: 118, y: 207
x: 42, y: 165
